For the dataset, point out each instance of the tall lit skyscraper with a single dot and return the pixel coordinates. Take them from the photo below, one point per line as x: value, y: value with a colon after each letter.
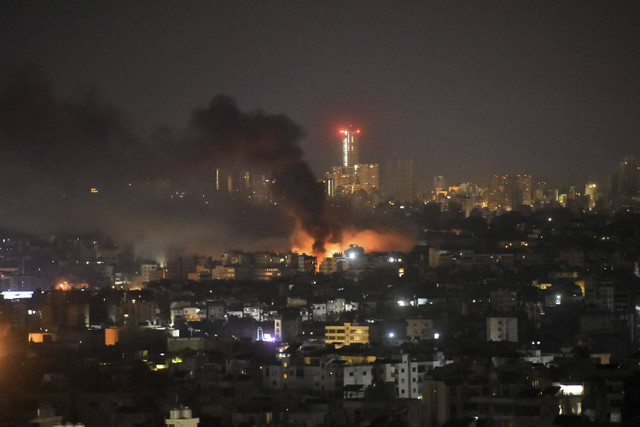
x: 352, y: 177
x: 350, y: 146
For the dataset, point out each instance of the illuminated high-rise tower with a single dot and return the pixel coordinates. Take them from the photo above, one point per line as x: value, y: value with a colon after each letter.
x: 352, y: 177
x: 350, y: 146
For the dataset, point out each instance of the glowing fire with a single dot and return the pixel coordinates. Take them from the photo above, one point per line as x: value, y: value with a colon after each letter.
x: 66, y: 286
x: 370, y: 240
x: 63, y: 286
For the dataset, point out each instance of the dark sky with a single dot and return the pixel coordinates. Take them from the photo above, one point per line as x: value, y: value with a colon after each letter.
x: 466, y: 88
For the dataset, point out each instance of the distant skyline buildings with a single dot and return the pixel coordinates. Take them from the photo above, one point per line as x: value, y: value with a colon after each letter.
x: 439, y: 183
x: 394, y: 180
x: 352, y: 177
x: 399, y: 181
x: 629, y: 176
x: 510, y: 191
x: 244, y: 182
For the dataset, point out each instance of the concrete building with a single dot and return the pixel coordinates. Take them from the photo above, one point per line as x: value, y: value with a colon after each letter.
x: 334, y: 264
x: 502, y: 329
x: 182, y: 418
x: 404, y: 373
x: 419, y: 329
x: 151, y: 271
x: 346, y: 334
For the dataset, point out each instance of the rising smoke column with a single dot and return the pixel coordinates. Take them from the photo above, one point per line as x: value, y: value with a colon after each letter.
x: 270, y: 141
x: 55, y: 149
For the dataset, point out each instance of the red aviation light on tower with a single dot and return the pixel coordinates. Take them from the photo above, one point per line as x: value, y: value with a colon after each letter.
x: 346, y: 131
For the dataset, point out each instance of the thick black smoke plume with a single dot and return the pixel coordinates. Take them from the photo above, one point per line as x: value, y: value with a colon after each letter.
x: 70, y: 143
x: 54, y: 150
x: 270, y: 142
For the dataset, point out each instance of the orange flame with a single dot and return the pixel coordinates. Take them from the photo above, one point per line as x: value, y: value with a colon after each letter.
x: 63, y: 286
x: 66, y: 286
x: 370, y: 240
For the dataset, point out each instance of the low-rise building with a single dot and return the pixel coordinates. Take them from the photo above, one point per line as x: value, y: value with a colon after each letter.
x: 346, y: 334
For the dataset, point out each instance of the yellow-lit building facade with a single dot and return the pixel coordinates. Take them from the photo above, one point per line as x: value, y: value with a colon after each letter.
x: 346, y: 334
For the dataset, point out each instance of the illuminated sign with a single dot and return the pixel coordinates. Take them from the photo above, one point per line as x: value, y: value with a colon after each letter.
x: 17, y: 294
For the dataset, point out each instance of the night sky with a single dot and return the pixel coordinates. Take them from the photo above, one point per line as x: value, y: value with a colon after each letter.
x: 466, y: 88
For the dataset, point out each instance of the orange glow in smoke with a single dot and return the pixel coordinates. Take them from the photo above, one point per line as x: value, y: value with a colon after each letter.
x: 370, y: 240
x: 63, y: 286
